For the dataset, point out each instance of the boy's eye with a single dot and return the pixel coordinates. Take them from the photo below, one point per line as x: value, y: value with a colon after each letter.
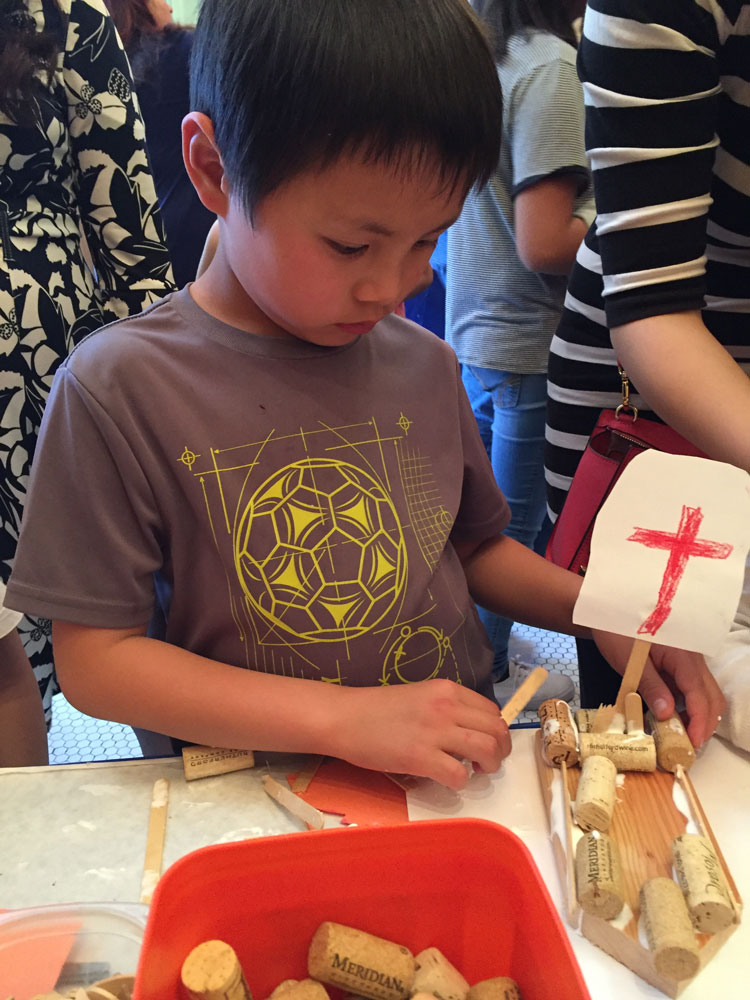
x: 345, y: 249
x: 421, y: 244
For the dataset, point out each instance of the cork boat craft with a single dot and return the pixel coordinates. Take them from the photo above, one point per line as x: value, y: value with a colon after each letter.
x: 651, y: 810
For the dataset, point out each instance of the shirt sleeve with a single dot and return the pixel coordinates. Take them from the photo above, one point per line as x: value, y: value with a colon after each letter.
x: 651, y: 85
x: 116, y: 194
x: 91, y: 538
x: 546, y: 126
x: 483, y: 511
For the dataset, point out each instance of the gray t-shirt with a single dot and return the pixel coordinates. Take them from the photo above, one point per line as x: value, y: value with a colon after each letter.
x: 499, y: 314
x: 292, y: 507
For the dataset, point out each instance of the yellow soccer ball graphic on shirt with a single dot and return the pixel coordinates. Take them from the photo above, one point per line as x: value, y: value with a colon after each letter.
x: 319, y: 551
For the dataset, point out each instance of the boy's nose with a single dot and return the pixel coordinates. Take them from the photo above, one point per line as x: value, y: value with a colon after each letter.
x: 384, y: 290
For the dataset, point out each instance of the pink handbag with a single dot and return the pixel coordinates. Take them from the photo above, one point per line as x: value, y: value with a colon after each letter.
x: 619, y: 435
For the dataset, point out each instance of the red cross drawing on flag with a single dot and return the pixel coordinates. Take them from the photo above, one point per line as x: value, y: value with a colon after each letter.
x: 681, y: 545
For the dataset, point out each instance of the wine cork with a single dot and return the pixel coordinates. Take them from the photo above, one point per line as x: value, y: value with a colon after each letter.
x: 599, y: 876
x: 120, y: 986
x: 369, y: 965
x: 559, y: 736
x: 595, y: 799
x: 299, y: 989
x: 283, y: 987
x: 628, y: 752
x: 499, y: 988
x: 212, y: 972
x: 204, y: 762
x: 669, y: 930
x: 673, y: 744
x: 585, y: 719
x: 701, y: 878
x: 435, y: 974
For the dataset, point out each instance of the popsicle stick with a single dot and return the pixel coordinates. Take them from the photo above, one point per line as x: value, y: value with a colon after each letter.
x: 633, y: 713
x: 523, y: 695
x: 293, y: 803
x: 157, y: 827
x: 306, y: 774
x: 570, y: 884
x: 630, y: 681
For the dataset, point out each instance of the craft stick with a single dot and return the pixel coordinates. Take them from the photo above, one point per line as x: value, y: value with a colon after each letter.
x: 705, y: 828
x: 293, y: 803
x: 157, y: 826
x: 404, y: 781
x: 633, y: 672
x: 630, y: 681
x: 523, y: 695
x: 570, y: 884
x: 633, y: 712
x: 306, y: 774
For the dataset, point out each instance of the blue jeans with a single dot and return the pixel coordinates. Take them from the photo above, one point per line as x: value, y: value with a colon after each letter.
x: 510, y: 410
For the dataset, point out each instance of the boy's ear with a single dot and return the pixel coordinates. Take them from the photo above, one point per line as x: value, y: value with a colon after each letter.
x: 203, y: 162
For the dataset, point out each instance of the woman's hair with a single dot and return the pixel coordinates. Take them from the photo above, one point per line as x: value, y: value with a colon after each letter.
x: 293, y: 86
x: 24, y: 53
x: 132, y: 18
x: 140, y: 34
x: 509, y: 17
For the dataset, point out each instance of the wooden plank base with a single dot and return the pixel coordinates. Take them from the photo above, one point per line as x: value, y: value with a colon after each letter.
x: 645, y: 822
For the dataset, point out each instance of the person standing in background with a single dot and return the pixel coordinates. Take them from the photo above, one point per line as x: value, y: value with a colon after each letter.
x: 159, y: 53
x: 662, y: 281
x: 508, y: 257
x: 72, y: 159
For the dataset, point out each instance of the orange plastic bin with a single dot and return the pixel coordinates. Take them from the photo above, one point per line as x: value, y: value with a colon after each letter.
x: 465, y: 886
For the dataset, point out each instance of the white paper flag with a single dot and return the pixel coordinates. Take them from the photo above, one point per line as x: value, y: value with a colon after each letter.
x: 668, y: 552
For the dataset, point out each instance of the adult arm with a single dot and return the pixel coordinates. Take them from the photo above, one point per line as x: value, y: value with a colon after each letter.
x: 23, y: 733
x: 552, y: 206
x: 548, y: 233
x: 691, y: 381
x: 115, y: 190
x: 423, y: 729
x: 652, y: 85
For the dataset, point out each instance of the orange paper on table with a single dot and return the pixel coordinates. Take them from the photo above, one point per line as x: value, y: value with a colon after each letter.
x: 33, y: 965
x: 359, y: 796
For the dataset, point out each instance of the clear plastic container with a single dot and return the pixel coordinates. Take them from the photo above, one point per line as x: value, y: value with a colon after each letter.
x: 58, y: 947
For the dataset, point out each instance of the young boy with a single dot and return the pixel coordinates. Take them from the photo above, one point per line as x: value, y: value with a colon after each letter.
x: 293, y: 472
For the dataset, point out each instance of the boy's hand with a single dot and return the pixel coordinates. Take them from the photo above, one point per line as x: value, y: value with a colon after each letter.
x: 425, y: 729
x: 671, y: 670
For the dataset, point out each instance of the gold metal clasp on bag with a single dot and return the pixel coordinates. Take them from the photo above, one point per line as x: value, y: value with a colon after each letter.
x: 625, y: 406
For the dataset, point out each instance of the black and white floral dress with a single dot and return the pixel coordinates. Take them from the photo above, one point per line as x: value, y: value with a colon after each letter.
x: 81, y: 167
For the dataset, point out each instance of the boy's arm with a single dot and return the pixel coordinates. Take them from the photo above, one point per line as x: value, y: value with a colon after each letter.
x: 423, y: 729
x: 506, y: 577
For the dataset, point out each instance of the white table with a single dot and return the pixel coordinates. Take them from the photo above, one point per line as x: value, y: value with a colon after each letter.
x: 78, y: 832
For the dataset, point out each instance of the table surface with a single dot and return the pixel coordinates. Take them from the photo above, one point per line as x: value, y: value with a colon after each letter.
x: 83, y: 836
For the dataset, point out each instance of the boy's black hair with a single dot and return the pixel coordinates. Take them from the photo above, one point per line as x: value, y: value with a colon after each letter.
x: 290, y: 85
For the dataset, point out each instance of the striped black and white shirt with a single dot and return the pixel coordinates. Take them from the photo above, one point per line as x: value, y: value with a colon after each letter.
x: 667, y: 94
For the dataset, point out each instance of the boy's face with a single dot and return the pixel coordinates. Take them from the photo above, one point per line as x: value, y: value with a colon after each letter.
x: 333, y: 251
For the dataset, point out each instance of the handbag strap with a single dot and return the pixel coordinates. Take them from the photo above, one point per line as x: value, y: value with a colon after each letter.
x: 625, y: 406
